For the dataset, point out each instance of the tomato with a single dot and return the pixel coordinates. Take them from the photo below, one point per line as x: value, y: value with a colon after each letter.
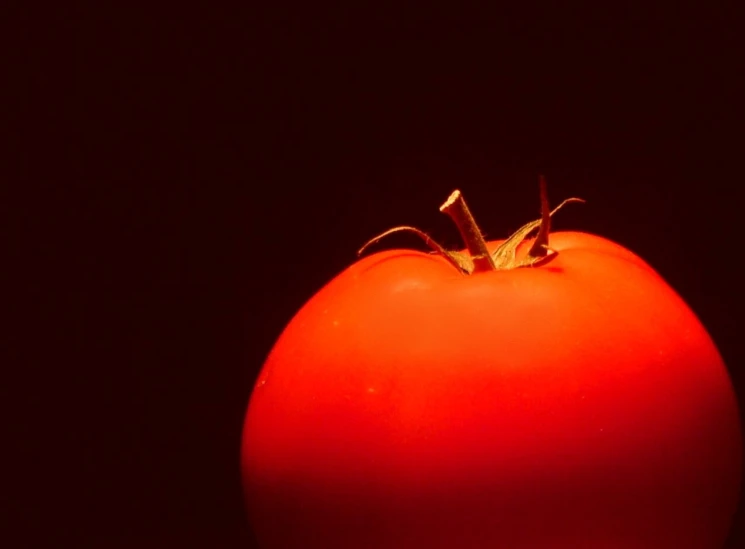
x: 571, y: 401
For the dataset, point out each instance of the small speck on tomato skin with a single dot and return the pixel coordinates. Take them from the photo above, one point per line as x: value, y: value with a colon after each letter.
x: 578, y: 404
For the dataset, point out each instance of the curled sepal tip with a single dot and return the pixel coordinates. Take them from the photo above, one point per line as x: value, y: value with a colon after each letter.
x: 459, y: 260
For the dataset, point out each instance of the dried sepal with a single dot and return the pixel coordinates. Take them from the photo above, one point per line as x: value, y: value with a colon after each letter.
x: 540, y: 244
x: 459, y: 260
x: 504, y: 256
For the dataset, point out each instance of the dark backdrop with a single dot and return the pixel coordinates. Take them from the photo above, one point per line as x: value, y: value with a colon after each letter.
x: 225, y: 163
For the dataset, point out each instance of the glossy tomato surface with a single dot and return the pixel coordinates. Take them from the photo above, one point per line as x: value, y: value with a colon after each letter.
x: 579, y: 404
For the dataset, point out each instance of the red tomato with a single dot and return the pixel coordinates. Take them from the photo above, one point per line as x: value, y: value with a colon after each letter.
x: 574, y: 404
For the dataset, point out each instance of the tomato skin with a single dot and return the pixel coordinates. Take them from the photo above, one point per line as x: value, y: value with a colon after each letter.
x: 580, y: 404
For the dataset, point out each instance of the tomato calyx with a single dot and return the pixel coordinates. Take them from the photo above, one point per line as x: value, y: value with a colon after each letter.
x: 478, y: 258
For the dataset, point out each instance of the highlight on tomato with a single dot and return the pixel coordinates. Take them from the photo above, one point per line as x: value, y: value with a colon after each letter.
x: 547, y: 391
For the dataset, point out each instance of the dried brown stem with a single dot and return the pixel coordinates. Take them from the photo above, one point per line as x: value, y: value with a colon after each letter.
x: 455, y: 206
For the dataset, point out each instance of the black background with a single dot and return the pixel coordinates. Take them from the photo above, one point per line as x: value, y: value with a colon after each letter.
x: 193, y: 176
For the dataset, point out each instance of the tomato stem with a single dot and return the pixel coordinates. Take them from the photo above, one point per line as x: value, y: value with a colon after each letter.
x: 478, y: 258
x: 455, y: 206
